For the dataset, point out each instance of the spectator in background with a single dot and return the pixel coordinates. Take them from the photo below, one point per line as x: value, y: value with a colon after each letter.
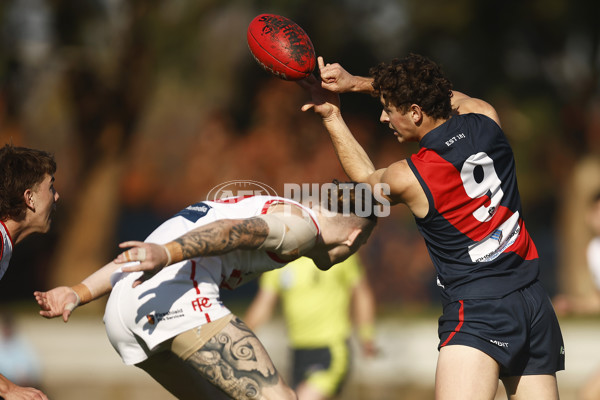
x: 591, y: 389
x: 318, y: 308
x: 593, y: 248
x: 564, y: 305
x: 18, y: 359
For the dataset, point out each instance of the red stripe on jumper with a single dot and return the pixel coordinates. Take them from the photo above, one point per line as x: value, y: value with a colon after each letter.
x: 233, y: 200
x: 461, y: 319
x: 193, y: 277
x: 7, y: 233
x: 2, y: 240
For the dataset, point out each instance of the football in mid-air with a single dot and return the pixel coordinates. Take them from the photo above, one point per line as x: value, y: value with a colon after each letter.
x: 281, y: 47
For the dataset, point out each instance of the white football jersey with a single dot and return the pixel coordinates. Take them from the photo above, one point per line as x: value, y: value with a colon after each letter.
x: 185, y: 295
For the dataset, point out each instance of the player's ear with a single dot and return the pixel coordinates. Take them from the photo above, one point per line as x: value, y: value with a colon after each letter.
x: 352, y: 237
x: 416, y: 113
x: 28, y: 198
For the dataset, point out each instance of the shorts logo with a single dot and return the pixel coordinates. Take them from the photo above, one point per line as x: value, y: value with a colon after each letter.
x: 200, y: 303
x: 164, y: 316
x: 499, y: 343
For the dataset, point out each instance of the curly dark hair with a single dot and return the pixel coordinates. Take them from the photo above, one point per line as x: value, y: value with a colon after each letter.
x: 21, y: 169
x: 414, y: 79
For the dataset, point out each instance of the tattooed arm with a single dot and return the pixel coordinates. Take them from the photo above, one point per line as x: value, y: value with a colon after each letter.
x: 216, y: 238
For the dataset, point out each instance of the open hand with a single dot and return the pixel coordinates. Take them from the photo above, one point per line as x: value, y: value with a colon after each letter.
x: 15, y: 392
x: 58, y: 301
x: 323, y: 102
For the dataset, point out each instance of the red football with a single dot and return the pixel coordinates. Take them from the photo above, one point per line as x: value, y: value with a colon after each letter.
x: 281, y: 47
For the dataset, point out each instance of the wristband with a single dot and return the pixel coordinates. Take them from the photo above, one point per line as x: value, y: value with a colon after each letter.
x: 83, y: 294
x: 168, y: 255
x: 174, y: 253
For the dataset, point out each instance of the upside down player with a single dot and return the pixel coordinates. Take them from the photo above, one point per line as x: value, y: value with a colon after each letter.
x: 461, y: 186
x: 170, y: 322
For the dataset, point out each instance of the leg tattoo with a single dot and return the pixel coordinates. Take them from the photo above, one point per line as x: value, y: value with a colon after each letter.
x: 235, y: 361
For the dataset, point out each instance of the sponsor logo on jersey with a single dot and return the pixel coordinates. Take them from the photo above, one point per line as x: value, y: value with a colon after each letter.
x: 497, y: 235
x: 195, y: 211
x: 497, y: 242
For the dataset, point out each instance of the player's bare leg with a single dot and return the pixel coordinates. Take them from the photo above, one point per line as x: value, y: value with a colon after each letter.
x: 543, y: 387
x: 591, y: 389
x: 306, y: 392
x: 465, y: 373
x: 235, y: 361
x: 180, y: 378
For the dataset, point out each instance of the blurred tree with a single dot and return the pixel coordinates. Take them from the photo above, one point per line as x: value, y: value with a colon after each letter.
x: 148, y: 105
x: 104, y: 57
x: 106, y: 82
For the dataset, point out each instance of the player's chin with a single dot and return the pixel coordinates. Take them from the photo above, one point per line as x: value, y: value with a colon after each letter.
x: 324, y: 266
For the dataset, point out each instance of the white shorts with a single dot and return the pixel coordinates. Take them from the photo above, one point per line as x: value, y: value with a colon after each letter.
x: 180, y: 297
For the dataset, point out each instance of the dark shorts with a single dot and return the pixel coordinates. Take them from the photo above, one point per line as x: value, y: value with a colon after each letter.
x: 325, y: 368
x: 520, y: 331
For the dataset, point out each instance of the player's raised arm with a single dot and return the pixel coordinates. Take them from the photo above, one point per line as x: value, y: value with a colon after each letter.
x: 355, y: 161
x: 336, y: 79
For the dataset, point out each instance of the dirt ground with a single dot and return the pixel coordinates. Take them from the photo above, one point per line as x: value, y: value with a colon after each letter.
x: 78, y: 362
